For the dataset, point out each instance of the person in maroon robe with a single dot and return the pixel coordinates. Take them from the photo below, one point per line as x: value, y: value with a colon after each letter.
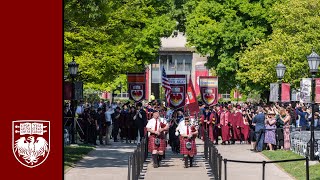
x: 246, y: 128
x: 206, y: 122
x: 215, y: 122
x: 224, y: 125
x: 238, y: 121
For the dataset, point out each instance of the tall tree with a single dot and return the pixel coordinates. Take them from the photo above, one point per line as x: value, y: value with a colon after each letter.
x: 222, y: 29
x: 110, y: 38
x: 296, y: 29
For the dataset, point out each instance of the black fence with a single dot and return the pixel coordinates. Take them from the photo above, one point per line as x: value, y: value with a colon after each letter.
x: 213, y: 156
x: 215, y: 159
x: 136, y: 160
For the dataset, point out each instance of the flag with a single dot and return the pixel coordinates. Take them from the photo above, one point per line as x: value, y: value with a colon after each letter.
x: 191, y: 98
x: 166, y: 85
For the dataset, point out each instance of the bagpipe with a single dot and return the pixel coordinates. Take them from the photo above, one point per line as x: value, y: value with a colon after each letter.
x: 189, y: 143
x: 157, y: 137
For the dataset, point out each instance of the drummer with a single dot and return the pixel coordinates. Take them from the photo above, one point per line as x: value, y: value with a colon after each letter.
x: 188, y: 144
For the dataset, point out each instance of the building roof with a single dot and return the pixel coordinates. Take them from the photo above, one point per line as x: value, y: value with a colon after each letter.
x: 175, y: 44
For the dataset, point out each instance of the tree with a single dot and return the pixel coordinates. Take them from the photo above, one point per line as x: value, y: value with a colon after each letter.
x: 224, y: 29
x: 296, y: 29
x: 110, y: 38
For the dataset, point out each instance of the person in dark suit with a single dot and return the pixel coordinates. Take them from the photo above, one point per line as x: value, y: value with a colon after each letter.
x: 259, y: 120
x: 140, y: 120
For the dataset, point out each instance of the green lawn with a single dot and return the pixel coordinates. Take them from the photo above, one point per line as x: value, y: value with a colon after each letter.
x: 73, y: 154
x: 297, y: 168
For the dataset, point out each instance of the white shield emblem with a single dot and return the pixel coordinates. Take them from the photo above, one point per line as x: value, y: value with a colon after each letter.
x: 31, y: 141
x: 137, y: 92
x: 208, y: 96
x: 176, y: 96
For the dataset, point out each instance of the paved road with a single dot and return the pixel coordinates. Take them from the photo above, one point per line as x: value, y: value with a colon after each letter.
x: 240, y: 171
x: 103, y: 163
x: 172, y: 167
x: 111, y: 163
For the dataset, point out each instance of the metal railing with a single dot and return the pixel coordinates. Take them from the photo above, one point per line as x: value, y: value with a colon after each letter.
x: 215, y: 159
x: 136, y: 160
x: 264, y: 165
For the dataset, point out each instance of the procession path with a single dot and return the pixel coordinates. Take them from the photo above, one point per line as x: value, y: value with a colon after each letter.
x: 105, y: 162
x: 172, y: 167
x: 240, y: 171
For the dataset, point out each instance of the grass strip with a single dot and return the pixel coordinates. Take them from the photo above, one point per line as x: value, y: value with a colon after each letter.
x: 297, y: 168
x: 72, y: 154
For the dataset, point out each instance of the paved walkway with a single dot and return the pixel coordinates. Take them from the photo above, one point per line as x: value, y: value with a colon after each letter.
x: 105, y: 162
x: 172, y: 167
x: 240, y: 171
x: 111, y: 162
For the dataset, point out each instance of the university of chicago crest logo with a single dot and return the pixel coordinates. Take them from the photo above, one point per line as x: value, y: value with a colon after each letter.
x: 31, y: 141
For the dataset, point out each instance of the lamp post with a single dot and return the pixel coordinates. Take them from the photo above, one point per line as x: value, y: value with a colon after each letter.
x: 119, y: 87
x: 281, y: 69
x: 313, y: 61
x: 73, y: 70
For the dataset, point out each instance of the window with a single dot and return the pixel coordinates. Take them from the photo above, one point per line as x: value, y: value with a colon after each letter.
x: 171, y: 63
x: 180, y: 65
x: 187, y: 65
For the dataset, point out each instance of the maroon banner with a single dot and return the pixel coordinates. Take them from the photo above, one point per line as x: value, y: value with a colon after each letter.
x: 209, y: 89
x: 285, y: 92
x: 178, y: 85
x: 200, y: 70
x: 136, y: 86
x: 35, y: 57
x: 317, y: 90
x: 67, y: 91
x: 192, y: 103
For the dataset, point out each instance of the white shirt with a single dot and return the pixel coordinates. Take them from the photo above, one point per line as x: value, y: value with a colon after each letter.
x: 180, y: 125
x: 183, y: 129
x: 108, y: 115
x: 152, y: 123
x: 79, y: 109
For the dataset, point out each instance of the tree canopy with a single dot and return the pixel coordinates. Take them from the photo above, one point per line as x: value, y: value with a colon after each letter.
x: 110, y: 38
x: 296, y: 29
x: 223, y: 29
x: 243, y: 39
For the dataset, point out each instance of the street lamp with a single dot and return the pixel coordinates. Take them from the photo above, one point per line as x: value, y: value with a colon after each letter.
x: 313, y: 60
x: 119, y: 88
x: 281, y: 69
x: 73, y: 70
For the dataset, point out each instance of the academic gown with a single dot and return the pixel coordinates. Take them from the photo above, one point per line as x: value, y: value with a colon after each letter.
x: 225, y: 130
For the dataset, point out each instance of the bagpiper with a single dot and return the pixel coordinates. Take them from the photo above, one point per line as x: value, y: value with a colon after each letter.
x: 188, y: 143
x: 157, y: 145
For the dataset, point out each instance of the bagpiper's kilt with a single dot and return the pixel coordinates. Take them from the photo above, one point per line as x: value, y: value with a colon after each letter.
x: 183, y: 148
x: 152, y: 146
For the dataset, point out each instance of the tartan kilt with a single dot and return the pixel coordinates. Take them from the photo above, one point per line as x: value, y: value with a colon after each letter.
x: 152, y: 146
x: 184, y: 150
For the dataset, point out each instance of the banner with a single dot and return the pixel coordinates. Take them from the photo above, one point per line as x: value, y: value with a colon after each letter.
x: 317, y: 90
x: 191, y: 99
x: 305, y: 90
x: 67, y: 92
x: 294, y: 95
x: 178, y: 85
x: 78, y: 90
x: 274, y: 92
x: 237, y: 94
x: 209, y: 89
x: 136, y: 86
x: 200, y: 70
x: 285, y: 92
